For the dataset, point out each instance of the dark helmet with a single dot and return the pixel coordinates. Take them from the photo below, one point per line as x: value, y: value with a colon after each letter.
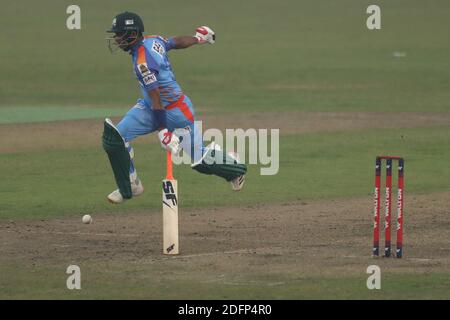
x: 127, y: 28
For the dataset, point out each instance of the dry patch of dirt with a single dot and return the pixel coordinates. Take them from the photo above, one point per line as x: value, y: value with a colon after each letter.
x: 298, y: 239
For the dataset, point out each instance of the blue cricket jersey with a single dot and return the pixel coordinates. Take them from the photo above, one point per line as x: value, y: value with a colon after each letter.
x: 153, y: 70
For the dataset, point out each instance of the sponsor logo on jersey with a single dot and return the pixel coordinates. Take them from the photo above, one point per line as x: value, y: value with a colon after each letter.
x: 144, y: 70
x: 158, y: 48
x: 151, y: 78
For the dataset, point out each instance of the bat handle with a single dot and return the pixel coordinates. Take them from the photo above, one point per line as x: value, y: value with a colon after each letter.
x: 169, y: 171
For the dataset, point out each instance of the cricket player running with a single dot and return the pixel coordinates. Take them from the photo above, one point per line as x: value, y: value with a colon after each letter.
x: 164, y: 107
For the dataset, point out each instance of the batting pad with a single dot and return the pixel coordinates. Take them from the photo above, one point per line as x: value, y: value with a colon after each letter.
x: 118, y: 155
x: 220, y: 164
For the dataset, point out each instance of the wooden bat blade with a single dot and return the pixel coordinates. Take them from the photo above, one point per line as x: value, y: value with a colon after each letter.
x: 170, y: 216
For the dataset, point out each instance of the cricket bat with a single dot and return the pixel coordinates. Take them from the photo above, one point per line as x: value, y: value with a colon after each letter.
x: 170, y: 210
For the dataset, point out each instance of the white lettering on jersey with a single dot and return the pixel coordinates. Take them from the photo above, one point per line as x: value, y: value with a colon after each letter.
x: 151, y: 78
x: 158, y: 48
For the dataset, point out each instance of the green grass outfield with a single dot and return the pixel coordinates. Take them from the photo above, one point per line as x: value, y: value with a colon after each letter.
x: 11, y: 115
x: 286, y: 55
x: 101, y: 282
x: 269, y: 55
x: 325, y: 165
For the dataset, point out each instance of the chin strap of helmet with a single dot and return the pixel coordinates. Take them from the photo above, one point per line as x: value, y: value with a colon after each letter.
x: 126, y: 41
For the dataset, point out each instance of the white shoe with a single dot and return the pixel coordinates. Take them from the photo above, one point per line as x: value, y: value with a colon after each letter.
x: 137, y: 189
x: 237, y: 183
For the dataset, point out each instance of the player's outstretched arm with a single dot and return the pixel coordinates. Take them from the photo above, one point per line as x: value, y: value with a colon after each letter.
x: 183, y: 42
x: 202, y: 35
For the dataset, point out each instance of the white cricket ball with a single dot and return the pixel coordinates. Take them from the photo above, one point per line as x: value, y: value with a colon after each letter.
x: 86, y: 219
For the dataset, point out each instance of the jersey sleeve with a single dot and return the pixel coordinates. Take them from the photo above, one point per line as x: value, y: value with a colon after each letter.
x: 147, y: 69
x: 168, y: 43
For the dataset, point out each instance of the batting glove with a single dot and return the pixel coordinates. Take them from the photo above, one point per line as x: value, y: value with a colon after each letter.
x: 205, y: 34
x: 169, y: 141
